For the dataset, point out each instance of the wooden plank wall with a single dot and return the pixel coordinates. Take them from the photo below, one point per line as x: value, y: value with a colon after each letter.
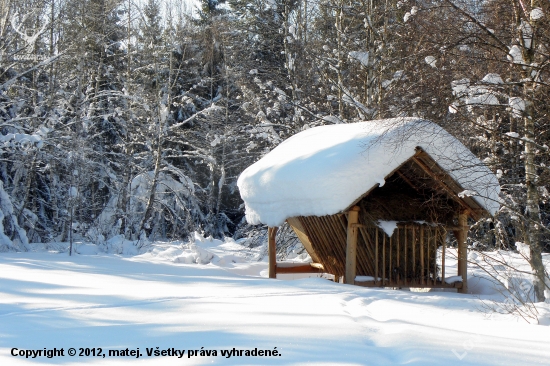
x: 406, y: 258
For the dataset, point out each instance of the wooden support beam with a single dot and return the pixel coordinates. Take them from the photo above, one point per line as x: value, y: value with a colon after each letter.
x: 351, y: 245
x: 272, y: 251
x: 300, y: 231
x: 441, y: 183
x: 461, y: 236
x: 407, y: 180
x: 300, y: 268
x: 448, y: 184
x: 317, y: 265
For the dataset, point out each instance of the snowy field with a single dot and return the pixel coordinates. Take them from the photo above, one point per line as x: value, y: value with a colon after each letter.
x: 214, y: 295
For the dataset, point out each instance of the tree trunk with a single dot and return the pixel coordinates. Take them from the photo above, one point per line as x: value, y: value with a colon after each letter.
x: 532, y: 205
x: 532, y: 210
x: 154, y: 184
x: 339, y: 19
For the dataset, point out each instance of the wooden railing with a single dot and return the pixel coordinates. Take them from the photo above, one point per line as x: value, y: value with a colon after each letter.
x: 406, y: 257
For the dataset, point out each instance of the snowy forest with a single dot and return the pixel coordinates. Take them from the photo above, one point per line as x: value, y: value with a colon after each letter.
x: 136, y: 118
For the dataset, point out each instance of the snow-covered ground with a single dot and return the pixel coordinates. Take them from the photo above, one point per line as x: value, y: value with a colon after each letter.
x: 166, y: 298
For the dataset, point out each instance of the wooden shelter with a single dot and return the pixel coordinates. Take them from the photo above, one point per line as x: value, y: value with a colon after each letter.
x: 427, y: 204
x: 341, y: 187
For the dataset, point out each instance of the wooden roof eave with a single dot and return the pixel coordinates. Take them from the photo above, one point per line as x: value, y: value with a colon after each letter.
x: 445, y: 182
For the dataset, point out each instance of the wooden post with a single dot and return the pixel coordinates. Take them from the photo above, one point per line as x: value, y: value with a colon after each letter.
x: 351, y: 245
x: 376, y: 255
x: 443, y: 256
x: 383, y: 259
x: 397, y: 277
x: 461, y: 235
x: 272, y: 251
x: 405, y: 274
x: 413, y: 242
x: 391, y: 265
x: 421, y: 254
x: 435, y: 257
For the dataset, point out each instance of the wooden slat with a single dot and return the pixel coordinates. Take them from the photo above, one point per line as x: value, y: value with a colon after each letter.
x: 332, y: 251
x: 361, y: 261
x: 335, y: 222
x: 336, y: 242
x: 343, y: 224
x: 366, y: 240
x: 369, y: 248
x: 340, y: 240
x: 364, y: 263
x: 339, y: 235
x: 366, y: 237
x: 317, y: 244
x: 427, y: 233
x: 326, y: 242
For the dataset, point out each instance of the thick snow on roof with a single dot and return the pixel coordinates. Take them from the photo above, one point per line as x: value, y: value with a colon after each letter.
x: 322, y: 170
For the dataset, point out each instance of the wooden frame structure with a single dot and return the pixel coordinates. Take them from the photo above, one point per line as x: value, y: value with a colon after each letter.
x: 350, y: 243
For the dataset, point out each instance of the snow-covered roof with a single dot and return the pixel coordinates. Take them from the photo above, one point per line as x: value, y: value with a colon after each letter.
x: 323, y: 170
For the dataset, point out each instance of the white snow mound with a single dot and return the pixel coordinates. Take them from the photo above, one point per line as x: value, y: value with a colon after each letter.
x: 322, y: 170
